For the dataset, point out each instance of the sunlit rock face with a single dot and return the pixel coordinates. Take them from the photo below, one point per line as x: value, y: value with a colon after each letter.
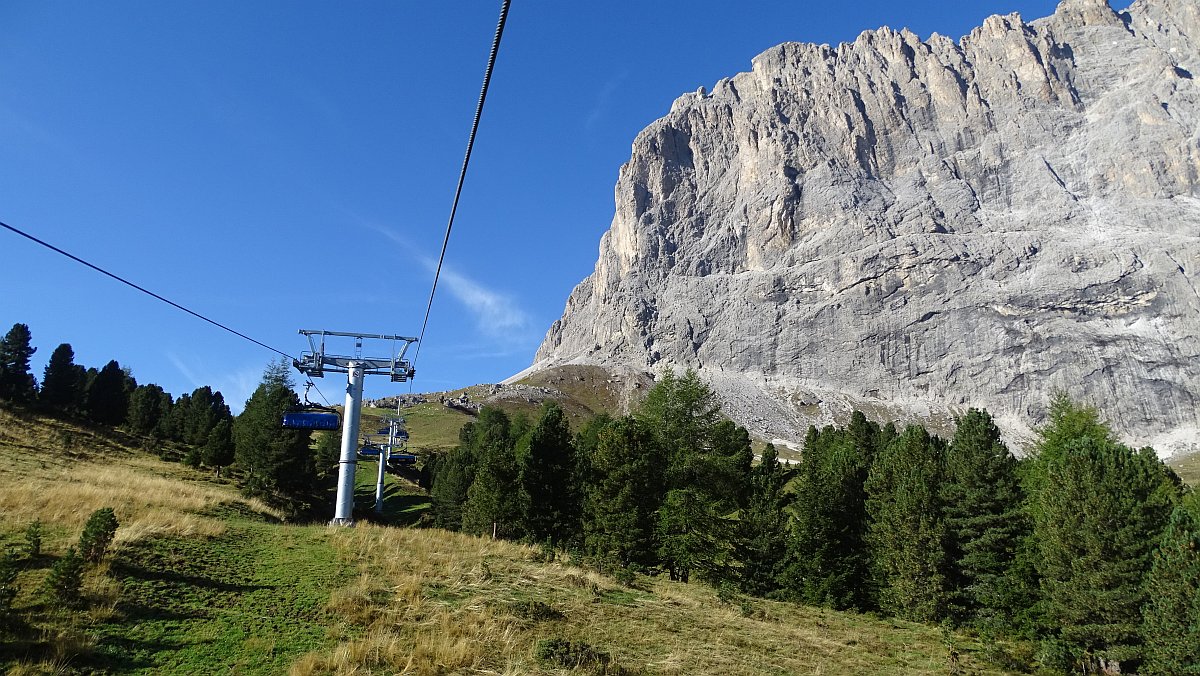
x: 917, y: 226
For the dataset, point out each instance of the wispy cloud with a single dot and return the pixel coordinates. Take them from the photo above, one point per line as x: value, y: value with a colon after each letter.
x: 235, y: 386
x: 603, y: 101
x: 497, y: 314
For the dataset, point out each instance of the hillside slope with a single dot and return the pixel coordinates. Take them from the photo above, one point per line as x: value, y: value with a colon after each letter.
x: 204, y: 581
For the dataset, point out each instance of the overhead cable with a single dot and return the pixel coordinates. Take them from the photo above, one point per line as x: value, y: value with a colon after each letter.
x: 172, y: 303
x: 487, y: 79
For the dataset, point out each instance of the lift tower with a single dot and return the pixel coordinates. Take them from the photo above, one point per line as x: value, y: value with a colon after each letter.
x: 316, y: 362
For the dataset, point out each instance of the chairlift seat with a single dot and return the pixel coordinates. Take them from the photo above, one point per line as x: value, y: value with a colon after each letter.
x: 311, y: 420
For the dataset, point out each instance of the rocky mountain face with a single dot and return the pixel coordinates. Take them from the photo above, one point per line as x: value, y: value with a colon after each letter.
x: 914, y: 227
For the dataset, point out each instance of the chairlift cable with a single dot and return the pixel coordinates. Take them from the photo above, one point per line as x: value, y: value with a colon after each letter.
x: 148, y: 292
x: 320, y: 393
x: 487, y: 79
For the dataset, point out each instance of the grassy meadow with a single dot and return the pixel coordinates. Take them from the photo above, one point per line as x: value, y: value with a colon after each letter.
x: 202, y: 580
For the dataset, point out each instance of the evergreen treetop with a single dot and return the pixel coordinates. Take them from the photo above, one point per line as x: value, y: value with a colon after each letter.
x: 17, y: 384
x: 62, y: 382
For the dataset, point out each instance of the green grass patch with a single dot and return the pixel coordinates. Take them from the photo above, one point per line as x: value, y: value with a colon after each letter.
x: 1187, y: 467
x: 249, y: 601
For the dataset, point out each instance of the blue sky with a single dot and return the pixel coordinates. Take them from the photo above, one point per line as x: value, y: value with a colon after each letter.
x: 286, y: 165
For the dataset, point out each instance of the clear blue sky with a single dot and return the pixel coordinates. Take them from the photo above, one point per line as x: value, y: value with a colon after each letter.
x: 286, y: 165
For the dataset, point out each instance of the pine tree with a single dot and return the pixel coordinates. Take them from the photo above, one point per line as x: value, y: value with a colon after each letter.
x: 494, y: 501
x: 827, y: 554
x: 8, y: 589
x: 17, y: 384
x: 218, y: 450
x: 622, y: 502
x: 985, y: 522
x: 62, y: 382
x: 763, y: 527
x: 172, y: 424
x: 107, y: 396
x: 65, y: 582
x: 148, y: 406
x: 98, y: 534
x: 905, y: 533
x: 1171, y: 617
x: 547, y: 476
x: 1099, y: 513
x: 452, y: 476
x: 277, y: 463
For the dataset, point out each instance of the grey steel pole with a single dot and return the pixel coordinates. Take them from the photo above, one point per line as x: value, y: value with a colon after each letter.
x: 343, y: 514
x: 383, y: 453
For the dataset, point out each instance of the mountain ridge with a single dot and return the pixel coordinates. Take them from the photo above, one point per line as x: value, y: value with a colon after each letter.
x: 915, y: 227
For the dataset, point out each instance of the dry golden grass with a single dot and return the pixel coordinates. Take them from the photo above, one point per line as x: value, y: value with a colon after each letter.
x: 60, y: 473
x: 429, y: 601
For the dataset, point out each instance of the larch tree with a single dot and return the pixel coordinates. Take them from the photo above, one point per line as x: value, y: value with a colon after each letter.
x: 707, y: 460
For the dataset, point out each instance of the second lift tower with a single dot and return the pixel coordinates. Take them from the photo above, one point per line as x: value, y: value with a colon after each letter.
x: 316, y: 362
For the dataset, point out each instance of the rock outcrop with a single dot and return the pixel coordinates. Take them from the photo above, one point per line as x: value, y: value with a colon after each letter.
x: 914, y: 227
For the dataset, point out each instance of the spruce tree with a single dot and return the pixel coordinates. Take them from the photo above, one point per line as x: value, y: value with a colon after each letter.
x: 107, y: 396
x: 1171, y: 617
x: 985, y: 522
x: 622, y: 502
x: 906, y: 534
x: 547, y: 476
x: 62, y: 382
x: 1099, y: 514
x: 17, y: 384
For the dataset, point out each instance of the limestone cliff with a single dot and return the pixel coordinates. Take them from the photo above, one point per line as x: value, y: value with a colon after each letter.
x: 915, y: 227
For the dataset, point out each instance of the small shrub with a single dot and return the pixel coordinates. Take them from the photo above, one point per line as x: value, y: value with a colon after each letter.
x: 561, y: 652
x: 544, y: 554
x: 192, y: 458
x: 33, y: 539
x: 98, y: 534
x: 625, y: 576
x: 63, y: 583
x: 727, y: 594
x: 536, y: 611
